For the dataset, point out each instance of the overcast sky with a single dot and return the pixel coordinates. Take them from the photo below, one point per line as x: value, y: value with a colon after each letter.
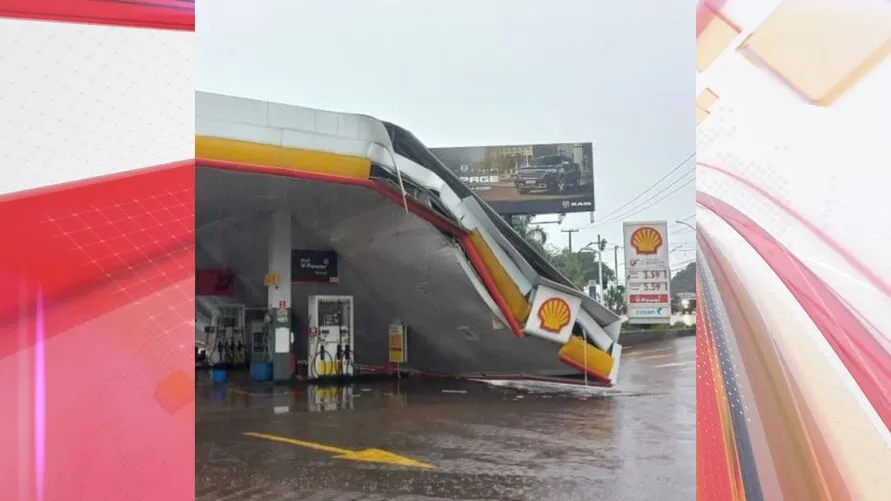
x: 620, y: 74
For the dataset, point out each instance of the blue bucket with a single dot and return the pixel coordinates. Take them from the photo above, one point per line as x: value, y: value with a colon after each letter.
x: 261, y: 371
x: 218, y: 375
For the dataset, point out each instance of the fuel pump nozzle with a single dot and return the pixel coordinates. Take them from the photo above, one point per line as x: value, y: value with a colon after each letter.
x: 347, y: 355
x: 338, y: 357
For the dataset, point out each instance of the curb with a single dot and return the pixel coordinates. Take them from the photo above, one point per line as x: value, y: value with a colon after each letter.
x: 630, y: 338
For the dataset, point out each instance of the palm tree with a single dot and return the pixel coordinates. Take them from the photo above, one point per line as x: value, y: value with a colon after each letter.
x: 533, y: 235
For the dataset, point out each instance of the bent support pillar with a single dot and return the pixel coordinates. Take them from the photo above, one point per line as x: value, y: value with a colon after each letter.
x: 279, y: 296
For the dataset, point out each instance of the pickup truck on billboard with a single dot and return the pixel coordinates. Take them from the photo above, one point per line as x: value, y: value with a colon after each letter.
x: 553, y: 174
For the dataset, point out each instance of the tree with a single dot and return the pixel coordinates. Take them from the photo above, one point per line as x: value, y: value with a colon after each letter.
x: 614, y: 299
x: 684, y: 280
x: 533, y: 235
x: 581, y: 267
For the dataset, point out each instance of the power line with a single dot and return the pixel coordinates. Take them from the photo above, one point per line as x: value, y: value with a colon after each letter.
x: 646, y: 203
x: 680, y: 232
x: 644, y: 192
x: 685, y: 229
x: 640, y: 209
x: 650, y: 201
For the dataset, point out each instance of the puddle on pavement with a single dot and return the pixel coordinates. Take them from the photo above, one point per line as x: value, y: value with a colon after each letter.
x: 548, y: 389
x: 365, y: 396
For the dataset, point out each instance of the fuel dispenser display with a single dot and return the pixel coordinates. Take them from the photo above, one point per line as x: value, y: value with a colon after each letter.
x: 331, y: 337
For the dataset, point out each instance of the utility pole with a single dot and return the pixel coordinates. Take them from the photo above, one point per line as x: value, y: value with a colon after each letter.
x: 600, y: 245
x: 616, y: 262
x: 570, y: 232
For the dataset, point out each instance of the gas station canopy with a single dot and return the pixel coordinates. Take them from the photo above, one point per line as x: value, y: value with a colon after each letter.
x: 412, y: 243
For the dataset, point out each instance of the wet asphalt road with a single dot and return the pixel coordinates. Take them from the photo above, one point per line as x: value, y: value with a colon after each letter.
x: 633, y: 442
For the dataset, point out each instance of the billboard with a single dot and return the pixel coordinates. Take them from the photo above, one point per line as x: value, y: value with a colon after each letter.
x: 647, y: 272
x: 529, y: 178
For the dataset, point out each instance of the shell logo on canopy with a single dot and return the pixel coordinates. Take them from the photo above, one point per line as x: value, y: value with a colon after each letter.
x: 553, y: 315
x: 646, y: 240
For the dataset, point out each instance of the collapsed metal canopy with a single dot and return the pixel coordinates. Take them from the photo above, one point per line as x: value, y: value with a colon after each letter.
x: 416, y: 244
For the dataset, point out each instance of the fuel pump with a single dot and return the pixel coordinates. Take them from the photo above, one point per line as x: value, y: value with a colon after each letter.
x: 331, y: 347
x: 228, y: 324
x: 261, y: 354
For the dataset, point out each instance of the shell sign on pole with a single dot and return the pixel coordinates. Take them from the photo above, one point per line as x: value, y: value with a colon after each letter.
x: 647, y: 272
x: 553, y: 315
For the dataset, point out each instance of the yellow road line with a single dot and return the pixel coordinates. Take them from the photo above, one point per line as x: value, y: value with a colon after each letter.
x: 366, y: 455
x: 299, y: 443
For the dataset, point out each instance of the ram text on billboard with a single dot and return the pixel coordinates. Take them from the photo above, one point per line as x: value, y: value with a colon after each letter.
x: 527, y: 179
x: 647, y: 272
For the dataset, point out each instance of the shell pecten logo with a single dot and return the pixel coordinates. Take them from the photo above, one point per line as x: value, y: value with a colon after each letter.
x: 554, y: 315
x: 646, y: 240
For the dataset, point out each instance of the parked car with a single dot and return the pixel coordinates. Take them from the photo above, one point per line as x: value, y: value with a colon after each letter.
x: 685, y: 306
x: 555, y: 174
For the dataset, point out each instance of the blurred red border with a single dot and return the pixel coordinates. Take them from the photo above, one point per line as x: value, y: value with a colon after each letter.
x: 40, y: 256
x: 111, y: 409
x: 160, y: 14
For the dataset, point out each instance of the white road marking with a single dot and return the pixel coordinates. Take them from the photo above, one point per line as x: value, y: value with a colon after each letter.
x: 673, y: 364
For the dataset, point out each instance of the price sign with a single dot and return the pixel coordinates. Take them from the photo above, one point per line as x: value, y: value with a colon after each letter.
x: 639, y: 275
x: 648, y: 278
x: 648, y: 286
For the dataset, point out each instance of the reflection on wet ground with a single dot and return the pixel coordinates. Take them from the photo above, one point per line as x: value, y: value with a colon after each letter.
x: 501, y: 441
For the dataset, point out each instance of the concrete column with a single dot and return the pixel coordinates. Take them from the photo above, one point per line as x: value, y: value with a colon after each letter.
x: 280, y: 296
